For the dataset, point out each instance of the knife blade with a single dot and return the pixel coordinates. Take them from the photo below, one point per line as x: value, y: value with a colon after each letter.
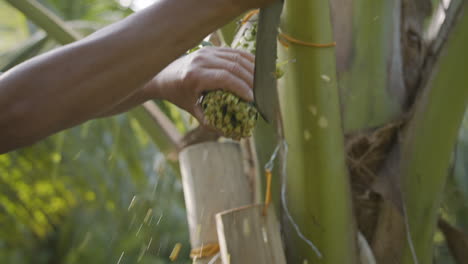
x: 266, y: 95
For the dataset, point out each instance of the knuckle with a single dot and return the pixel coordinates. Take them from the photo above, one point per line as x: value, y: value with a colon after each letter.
x: 198, y: 58
x: 234, y: 68
x: 244, y: 53
x: 222, y: 75
x: 236, y: 57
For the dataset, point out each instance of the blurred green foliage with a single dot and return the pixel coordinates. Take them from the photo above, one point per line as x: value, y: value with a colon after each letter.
x: 102, y: 192
x: 98, y: 193
x: 88, y: 195
x: 12, y: 27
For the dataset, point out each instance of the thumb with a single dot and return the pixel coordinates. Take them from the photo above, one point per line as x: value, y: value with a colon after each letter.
x: 198, y: 114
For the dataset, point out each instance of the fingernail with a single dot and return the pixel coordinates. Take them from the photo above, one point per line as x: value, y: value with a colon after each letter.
x: 251, y: 96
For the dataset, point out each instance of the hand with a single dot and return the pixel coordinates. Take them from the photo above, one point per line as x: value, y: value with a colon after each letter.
x: 210, y: 68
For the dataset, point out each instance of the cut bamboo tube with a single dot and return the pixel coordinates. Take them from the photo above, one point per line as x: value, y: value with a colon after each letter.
x: 213, y: 179
x: 247, y: 236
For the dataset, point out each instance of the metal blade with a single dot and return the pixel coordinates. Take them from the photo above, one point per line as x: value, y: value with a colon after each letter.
x: 266, y: 95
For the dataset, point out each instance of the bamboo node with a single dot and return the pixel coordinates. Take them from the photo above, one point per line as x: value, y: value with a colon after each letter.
x: 286, y: 40
x: 205, y: 251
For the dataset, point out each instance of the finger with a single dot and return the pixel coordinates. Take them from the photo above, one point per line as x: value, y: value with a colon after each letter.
x: 228, y: 59
x: 247, y: 55
x: 216, y: 79
x: 245, y: 72
x: 237, y: 58
x: 198, y: 114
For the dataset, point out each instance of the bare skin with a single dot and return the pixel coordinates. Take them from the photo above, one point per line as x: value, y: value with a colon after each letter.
x: 184, y: 80
x: 121, y: 66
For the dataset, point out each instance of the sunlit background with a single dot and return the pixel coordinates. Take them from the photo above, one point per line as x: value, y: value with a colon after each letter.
x: 101, y: 192
x: 136, y: 4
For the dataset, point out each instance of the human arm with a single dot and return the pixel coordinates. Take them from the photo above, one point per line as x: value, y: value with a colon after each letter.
x: 185, y: 80
x: 73, y: 84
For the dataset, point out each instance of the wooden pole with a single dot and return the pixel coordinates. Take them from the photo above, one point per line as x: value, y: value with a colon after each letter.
x: 213, y: 179
x: 246, y: 236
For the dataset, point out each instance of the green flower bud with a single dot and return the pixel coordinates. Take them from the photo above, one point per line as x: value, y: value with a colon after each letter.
x: 229, y: 114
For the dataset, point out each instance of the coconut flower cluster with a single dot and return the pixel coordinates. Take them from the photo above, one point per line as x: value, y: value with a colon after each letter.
x: 234, y: 117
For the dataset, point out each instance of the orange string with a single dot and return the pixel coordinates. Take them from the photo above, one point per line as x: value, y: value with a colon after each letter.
x: 249, y: 15
x: 284, y: 39
x: 268, y: 191
x: 283, y: 42
x: 205, y: 251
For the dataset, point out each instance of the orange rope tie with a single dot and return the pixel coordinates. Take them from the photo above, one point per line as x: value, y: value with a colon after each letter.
x: 283, y: 42
x: 285, y: 39
x: 249, y: 15
x: 268, y: 191
x: 205, y: 251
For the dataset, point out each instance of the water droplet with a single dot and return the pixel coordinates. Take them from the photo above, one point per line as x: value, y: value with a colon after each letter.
x: 151, y: 219
x: 121, y: 256
x: 139, y: 229
x: 159, y: 220
x: 148, y: 214
x: 142, y: 253
x: 132, y: 203
x: 149, y: 243
x: 132, y: 221
x: 159, y: 250
x: 265, y: 235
